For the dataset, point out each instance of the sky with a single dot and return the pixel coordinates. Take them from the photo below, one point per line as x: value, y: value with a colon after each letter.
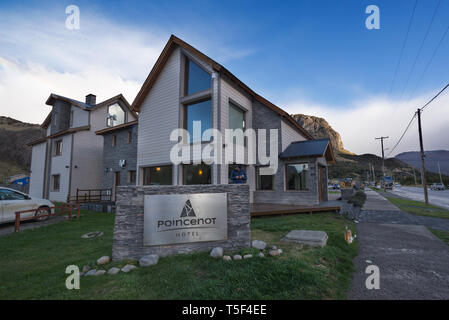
x: 311, y: 57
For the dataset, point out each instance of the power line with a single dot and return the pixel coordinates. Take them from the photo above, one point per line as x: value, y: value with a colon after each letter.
x: 441, y: 91
x: 403, y: 134
x: 403, y: 47
x: 420, y: 48
x: 430, y: 61
x: 414, y: 116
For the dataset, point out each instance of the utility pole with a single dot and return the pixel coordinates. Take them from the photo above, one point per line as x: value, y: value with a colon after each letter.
x: 423, y: 165
x: 383, y: 157
x: 439, y: 171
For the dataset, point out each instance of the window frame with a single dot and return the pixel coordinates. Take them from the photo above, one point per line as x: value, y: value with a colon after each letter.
x: 130, y: 174
x: 144, y: 176
x: 114, y: 140
x: 185, y: 120
x: 129, y: 137
x: 125, y: 118
x: 257, y: 180
x: 307, y: 189
x: 53, y: 180
x: 57, y: 151
x: 186, y: 70
x: 184, y: 165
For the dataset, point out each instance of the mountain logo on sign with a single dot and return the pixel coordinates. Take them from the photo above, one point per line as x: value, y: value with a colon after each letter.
x: 188, y: 211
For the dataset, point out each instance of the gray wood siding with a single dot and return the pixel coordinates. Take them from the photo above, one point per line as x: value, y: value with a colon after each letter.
x: 289, y: 135
x: 159, y: 116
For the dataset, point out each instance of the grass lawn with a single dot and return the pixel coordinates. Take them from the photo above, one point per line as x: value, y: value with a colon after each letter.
x: 33, y: 262
x: 443, y: 235
x: 419, y: 208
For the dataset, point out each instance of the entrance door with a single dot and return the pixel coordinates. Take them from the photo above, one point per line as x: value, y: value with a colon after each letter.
x: 322, y: 183
x: 116, y: 184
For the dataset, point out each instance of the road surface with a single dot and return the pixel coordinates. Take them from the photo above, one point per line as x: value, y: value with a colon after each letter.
x: 437, y: 198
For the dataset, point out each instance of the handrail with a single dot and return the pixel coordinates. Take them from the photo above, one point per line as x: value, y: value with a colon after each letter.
x: 52, y: 209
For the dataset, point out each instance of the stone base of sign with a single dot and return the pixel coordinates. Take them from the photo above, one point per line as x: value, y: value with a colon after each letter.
x: 307, y: 237
x: 129, y: 220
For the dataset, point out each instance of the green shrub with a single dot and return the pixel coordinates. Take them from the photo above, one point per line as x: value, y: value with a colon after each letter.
x: 358, y: 199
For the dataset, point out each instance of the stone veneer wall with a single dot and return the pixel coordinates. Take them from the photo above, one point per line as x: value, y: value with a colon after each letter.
x: 128, y: 226
x: 308, y: 197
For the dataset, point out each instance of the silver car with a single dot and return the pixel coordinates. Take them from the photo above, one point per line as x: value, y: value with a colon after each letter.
x: 12, y: 200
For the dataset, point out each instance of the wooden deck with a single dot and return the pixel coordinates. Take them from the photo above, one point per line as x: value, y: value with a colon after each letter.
x: 267, y: 209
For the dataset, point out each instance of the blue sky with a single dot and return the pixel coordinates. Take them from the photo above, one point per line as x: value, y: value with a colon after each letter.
x: 314, y: 57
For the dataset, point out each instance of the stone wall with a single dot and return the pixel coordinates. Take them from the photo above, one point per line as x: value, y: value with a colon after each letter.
x: 308, y: 197
x: 128, y: 226
x: 121, y: 151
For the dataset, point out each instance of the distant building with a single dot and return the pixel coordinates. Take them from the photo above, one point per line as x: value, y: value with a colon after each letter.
x: 70, y: 157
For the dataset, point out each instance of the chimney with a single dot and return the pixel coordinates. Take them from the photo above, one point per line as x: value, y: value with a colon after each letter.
x: 90, y: 99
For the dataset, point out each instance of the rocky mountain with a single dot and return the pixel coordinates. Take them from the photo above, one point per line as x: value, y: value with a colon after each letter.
x: 319, y: 128
x: 15, y: 155
x: 404, y: 168
x: 433, y: 158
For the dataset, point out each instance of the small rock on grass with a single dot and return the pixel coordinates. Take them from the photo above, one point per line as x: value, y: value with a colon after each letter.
x: 148, y: 260
x: 227, y: 258
x: 91, y: 272
x: 128, y: 268
x: 100, y: 272
x: 237, y: 257
x: 103, y: 260
x: 258, y: 244
x: 274, y: 253
x: 261, y: 254
x: 247, y: 256
x: 217, y: 252
x: 113, y: 270
x: 85, y: 269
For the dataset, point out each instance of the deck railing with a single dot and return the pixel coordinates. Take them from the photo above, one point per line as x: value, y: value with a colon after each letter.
x: 91, y: 195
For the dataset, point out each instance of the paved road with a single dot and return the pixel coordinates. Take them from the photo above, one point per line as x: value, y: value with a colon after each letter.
x: 413, y: 263
x: 438, y: 198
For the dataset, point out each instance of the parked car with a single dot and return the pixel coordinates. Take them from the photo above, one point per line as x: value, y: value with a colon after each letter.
x: 437, y: 186
x: 12, y: 200
x: 387, y: 182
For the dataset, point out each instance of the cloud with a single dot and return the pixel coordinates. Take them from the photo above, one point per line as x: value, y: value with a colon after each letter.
x: 375, y: 116
x: 39, y: 56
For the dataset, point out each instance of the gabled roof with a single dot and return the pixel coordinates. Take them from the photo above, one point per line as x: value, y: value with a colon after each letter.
x: 172, y: 43
x: 117, y: 127
x: 61, y: 133
x: 309, y: 148
x: 85, y: 106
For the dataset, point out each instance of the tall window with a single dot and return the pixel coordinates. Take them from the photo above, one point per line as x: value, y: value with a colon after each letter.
x: 58, y: 147
x: 263, y: 182
x: 129, y: 140
x: 236, y: 117
x: 202, y: 112
x: 55, y: 182
x: 196, y: 78
x: 132, y: 176
x: 114, y: 140
x: 197, y: 174
x: 161, y: 175
x: 296, y: 176
x: 116, y: 115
